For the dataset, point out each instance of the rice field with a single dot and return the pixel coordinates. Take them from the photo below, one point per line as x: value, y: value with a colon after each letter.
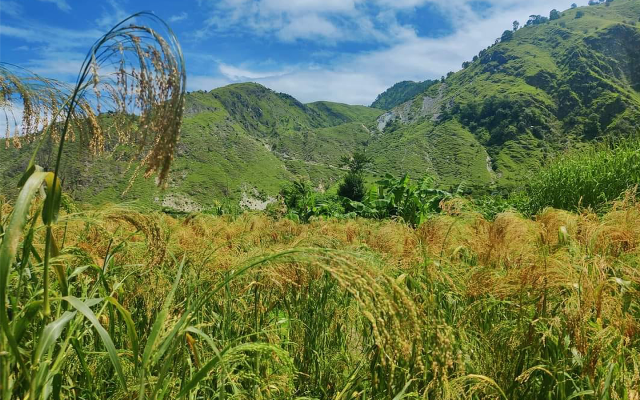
x: 144, y: 305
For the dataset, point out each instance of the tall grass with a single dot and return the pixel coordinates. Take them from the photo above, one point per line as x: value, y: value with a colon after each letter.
x: 590, y: 178
x: 145, y: 93
x: 458, y: 307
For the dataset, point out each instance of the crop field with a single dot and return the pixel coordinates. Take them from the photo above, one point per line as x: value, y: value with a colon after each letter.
x: 254, y: 307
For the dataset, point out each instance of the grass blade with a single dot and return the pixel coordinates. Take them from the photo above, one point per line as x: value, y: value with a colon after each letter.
x: 131, y: 328
x: 51, y: 333
x: 157, y: 327
x: 106, y: 339
x: 8, y: 250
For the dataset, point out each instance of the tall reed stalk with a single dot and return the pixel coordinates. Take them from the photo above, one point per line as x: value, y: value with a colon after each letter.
x: 136, y: 72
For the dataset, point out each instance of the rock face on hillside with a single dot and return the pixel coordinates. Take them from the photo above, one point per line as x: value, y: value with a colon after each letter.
x: 423, y: 106
x: 400, y: 93
x: 551, y: 87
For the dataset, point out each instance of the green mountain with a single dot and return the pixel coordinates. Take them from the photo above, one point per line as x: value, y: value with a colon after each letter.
x: 547, y: 87
x: 242, y: 141
x: 400, y: 93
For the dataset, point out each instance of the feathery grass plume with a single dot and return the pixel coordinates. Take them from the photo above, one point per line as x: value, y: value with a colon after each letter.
x: 134, y: 81
x: 31, y: 105
x: 136, y: 72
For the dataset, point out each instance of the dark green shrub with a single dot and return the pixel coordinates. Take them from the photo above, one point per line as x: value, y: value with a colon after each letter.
x: 352, y: 187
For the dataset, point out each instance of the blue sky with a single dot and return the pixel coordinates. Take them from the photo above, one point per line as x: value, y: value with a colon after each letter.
x: 338, y: 50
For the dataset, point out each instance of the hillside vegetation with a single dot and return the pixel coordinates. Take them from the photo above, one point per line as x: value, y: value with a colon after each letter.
x: 400, y: 93
x: 544, y: 89
x: 547, y: 87
x: 240, y: 139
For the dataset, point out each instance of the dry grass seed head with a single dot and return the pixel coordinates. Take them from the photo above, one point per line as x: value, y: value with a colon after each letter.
x: 156, y: 237
x: 144, y: 95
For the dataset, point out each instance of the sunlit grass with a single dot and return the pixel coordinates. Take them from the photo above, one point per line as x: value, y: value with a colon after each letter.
x: 252, y: 307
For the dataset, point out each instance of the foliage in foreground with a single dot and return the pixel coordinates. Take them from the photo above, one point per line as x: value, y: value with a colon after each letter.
x: 145, y: 100
x: 209, y: 307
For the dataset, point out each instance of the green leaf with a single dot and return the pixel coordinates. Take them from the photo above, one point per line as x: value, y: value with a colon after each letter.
x: 21, y: 323
x: 580, y: 394
x: 202, y: 373
x: 30, y: 170
x: 51, y: 333
x: 131, y: 328
x: 83, y: 363
x: 9, y: 247
x: 106, y: 339
x: 157, y: 327
x: 52, y: 202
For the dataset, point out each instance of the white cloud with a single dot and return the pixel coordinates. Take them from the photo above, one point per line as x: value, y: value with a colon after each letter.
x: 204, y: 82
x: 11, y: 8
x: 60, y: 65
x: 53, y: 52
x: 52, y: 37
x: 358, y: 78
x: 111, y: 15
x: 178, y: 17
x: 234, y: 73
x: 348, y: 20
x: 289, y: 20
x: 61, y: 4
x: 309, y: 26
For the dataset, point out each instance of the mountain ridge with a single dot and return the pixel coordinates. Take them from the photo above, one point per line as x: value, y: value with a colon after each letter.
x: 546, y: 88
x: 550, y: 87
x: 400, y: 93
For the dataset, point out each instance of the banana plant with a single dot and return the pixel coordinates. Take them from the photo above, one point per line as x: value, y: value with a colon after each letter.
x: 402, y: 198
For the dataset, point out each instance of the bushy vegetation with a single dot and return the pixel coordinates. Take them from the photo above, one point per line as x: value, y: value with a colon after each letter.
x: 302, y: 203
x: 408, y: 201
x: 389, y: 198
x: 590, y: 178
x: 352, y: 186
